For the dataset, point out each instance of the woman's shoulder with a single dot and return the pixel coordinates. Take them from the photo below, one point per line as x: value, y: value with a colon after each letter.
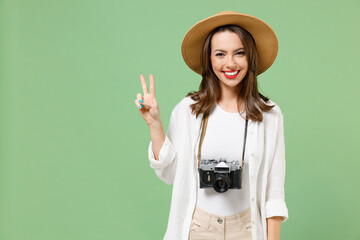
x: 275, y: 111
x: 185, y: 103
x: 183, y: 106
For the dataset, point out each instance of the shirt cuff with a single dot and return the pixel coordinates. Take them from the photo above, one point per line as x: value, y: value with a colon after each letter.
x: 166, y: 155
x: 276, y: 208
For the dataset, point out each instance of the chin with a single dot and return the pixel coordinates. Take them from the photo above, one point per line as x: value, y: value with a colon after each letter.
x: 232, y: 85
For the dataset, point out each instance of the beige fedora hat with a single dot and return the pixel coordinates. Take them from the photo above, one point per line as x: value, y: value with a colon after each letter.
x: 264, y: 36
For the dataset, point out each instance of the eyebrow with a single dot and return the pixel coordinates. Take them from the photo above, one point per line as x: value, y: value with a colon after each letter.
x: 225, y: 51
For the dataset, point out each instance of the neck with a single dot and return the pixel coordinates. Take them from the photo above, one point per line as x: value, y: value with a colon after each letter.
x: 229, y: 99
x: 229, y: 95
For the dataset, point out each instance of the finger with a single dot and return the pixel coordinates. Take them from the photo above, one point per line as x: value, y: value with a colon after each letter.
x: 138, y: 104
x: 143, y: 84
x: 152, y: 85
x: 140, y: 99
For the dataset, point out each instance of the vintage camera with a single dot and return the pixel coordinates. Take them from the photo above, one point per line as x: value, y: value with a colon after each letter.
x: 220, y: 175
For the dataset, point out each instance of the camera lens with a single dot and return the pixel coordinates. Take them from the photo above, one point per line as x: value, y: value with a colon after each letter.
x: 221, y: 182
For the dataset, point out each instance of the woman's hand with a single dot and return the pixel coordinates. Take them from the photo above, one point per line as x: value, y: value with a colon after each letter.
x: 147, y: 104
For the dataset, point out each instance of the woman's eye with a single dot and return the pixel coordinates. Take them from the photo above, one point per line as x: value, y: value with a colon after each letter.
x: 222, y: 54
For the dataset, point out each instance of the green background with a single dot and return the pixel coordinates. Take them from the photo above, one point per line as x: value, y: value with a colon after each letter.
x: 73, y: 147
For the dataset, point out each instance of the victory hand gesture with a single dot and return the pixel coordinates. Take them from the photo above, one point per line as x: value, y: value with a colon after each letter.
x: 147, y: 104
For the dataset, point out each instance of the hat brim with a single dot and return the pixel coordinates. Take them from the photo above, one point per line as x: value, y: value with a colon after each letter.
x: 264, y: 36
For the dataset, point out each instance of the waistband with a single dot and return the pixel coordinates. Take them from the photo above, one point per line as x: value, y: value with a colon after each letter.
x: 244, y: 216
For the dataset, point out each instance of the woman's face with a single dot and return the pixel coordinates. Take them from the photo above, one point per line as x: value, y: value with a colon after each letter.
x: 228, y: 58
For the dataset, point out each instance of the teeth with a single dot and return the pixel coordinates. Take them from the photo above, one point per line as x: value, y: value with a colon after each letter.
x: 231, y: 73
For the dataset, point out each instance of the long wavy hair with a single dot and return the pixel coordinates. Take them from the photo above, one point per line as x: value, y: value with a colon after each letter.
x: 210, y: 89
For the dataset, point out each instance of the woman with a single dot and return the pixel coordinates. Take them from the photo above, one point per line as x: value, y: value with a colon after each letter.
x: 221, y: 191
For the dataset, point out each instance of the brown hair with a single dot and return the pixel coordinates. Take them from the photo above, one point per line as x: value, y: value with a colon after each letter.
x: 209, y: 89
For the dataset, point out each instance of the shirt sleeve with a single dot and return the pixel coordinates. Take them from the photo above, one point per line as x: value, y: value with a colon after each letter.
x: 165, y: 166
x: 275, y: 194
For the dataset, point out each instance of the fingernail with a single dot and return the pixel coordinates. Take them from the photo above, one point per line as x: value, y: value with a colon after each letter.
x: 139, y: 107
x: 141, y: 101
x: 142, y: 105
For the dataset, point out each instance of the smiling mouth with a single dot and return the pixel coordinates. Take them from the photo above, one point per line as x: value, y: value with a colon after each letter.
x: 231, y: 74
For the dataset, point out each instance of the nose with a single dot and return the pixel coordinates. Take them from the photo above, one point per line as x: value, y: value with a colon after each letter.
x: 230, y: 63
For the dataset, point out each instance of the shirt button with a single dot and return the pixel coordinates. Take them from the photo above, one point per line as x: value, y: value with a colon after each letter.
x: 253, y: 222
x: 252, y: 199
x: 220, y: 220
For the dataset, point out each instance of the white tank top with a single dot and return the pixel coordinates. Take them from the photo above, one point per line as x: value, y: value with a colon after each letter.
x: 224, y: 138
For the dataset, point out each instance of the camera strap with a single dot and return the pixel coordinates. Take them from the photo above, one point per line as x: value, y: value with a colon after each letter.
x: 204, y: 125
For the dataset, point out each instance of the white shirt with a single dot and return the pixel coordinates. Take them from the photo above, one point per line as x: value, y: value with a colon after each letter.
x: 177, y: 165
x: 224, y: 138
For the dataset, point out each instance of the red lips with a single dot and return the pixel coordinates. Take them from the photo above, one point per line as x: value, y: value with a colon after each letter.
x: 231, y: 77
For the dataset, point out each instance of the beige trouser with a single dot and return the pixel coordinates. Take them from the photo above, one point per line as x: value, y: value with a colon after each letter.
x: 207, y: 226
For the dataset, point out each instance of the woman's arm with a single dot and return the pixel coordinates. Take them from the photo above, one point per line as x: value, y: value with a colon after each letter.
x: 162, y: 152
x: 157, y: 135
x: 273, y: 227
x: 276, y: 211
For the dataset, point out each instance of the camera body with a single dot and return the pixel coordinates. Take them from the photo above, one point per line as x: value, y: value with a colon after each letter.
x: 220, y: 175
